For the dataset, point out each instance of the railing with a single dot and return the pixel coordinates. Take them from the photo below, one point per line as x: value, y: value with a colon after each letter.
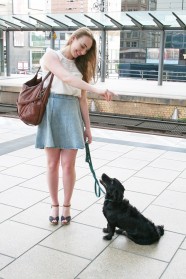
x: 152, y: 75
x: 113, y: 72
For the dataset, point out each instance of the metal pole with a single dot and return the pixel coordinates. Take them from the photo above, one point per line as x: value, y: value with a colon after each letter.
x: 161, y: 57
x: 1, y: 53
x: 52, y: 40
x: 103, y: 55
x: 8, y: 53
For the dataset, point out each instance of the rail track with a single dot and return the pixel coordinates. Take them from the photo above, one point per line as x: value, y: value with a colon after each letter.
x: 123, y: 123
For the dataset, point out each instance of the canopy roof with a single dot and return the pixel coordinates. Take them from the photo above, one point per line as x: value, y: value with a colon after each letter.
x: 144, y: 20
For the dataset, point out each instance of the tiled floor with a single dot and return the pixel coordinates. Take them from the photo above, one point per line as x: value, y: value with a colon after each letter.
x: 153, y: 171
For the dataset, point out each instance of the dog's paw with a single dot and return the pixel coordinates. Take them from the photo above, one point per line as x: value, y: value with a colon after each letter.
x: 105, y: 230
x: 107, y: 237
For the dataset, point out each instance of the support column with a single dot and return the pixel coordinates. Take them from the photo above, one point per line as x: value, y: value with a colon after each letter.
x: 103, y: 55
x: 52, y: 39
x: 161, y: 58
x: 1, y: 54
x: 8, y: 53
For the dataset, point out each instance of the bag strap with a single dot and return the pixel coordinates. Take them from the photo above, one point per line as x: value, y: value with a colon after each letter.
x: 97, y: 186
x: 47, y: 75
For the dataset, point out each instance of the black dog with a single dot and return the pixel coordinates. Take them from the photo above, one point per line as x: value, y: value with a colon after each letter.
x: 121, y: 214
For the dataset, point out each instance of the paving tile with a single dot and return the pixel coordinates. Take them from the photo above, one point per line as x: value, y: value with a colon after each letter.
x: 7, y: 212
x: 177, y: 267
x: 86, y: 183
x: 2, y: 168
x: 163, y: 250
x: 92, y: 216
x: 43, y: 263
x: 38, y: 183
x: 96, y: 144
x: 24, y: 171
x: 4, y: 260
x: 158, y: 174
x: 16, y: 238
x: 172, y: 199
x: 119, y: 173
x: 168, y: 164
x: 179, y: 185
x: 101, y: 154
x: 145, y: 185
x: 24, y: 197
x: 117, y: 148
x: 28, y: 152
x: 183, y: 246
x: 97, y: 163
x: 39, y: 161
x: 128, y: 163
x: 139, y: 200
x: 114, y: 263
x: 10, y: 136
x: 9, y: 161
x: 172, y: 219
x: 80, y: 199
x: 177, y: 156
x: 8, y: 181
x: 38, y: 216
x: 146, y: 154
x: 77, y: 239
x: 183, y: 174
x: 81, y: 172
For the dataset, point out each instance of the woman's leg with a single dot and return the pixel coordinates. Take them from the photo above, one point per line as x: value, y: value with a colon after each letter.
x: 53, y: 161
x: 68, y: 158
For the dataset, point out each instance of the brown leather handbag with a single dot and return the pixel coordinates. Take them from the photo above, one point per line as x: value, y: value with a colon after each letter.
x: 33, y: 98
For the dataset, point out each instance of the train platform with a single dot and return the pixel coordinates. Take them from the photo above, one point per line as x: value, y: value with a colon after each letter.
x: 134, y: 87
x: 152, y: 169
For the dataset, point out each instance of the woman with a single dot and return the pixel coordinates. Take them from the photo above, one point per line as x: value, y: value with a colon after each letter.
x: 66, y: 125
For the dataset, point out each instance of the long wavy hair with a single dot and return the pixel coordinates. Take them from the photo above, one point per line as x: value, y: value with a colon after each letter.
x: 86, y: 64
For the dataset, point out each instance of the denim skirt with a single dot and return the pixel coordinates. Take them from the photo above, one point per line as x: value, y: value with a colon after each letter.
x: 62, y: 124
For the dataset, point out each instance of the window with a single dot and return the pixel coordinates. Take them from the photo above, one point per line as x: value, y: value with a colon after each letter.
x: 134, y: 44
x: 128, y: 44
x: 18, y: 38
x: 37, y: 39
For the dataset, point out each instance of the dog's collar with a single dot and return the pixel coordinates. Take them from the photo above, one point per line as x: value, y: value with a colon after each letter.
x: 109, y: 200
x: 113, y: 201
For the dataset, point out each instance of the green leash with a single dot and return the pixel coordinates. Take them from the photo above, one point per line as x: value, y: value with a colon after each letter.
x: 97, y: 186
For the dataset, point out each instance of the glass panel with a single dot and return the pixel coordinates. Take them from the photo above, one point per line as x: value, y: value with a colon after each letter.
x: 166, y: 18
x: 63, y: 19
x: 11, y: 20
x: 81, y: 18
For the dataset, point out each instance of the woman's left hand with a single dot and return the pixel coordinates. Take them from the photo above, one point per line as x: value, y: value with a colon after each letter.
x: 88, y: 135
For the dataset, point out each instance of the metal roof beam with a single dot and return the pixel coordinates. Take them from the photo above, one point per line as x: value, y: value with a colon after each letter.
x: 180, y: 22
x: 136, y: 22
x: 45, y: 25
x: 115, y: 22
x: 29, y: 25
x: 61, y: 24
x: 15, y: 26
x: 158, y: 23
x: 3, y: 27
x: 97, y: 23
x: 76, y: 21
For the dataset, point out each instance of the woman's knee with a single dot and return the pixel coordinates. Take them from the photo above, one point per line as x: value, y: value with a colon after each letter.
x: 68, y: 166
x: 53, y: 160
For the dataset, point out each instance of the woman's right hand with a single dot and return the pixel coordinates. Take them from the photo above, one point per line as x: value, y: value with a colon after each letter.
x: 107, y: 94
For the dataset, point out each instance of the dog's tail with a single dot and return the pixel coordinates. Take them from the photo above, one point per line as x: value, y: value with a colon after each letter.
x: 160, y: 230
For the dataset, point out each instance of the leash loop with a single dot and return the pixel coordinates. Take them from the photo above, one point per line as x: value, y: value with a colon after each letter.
x: 88, y: 159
